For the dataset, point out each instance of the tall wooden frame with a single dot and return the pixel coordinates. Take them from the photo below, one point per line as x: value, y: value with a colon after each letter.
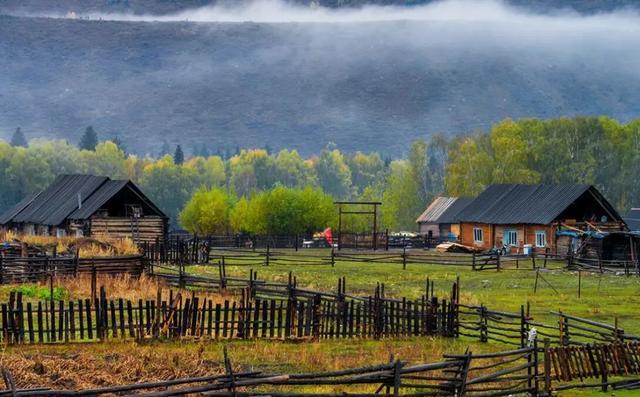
x: 373, y: 205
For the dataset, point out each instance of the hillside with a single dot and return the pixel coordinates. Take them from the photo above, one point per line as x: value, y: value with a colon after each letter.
x: 364, y: 86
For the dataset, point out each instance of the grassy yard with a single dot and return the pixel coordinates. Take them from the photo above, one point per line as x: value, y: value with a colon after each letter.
x: 602, y: 298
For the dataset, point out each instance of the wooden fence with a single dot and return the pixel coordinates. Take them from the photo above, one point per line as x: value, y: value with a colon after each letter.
x: 317, y: 316
x: 41, y: 268
x: 532, y: 371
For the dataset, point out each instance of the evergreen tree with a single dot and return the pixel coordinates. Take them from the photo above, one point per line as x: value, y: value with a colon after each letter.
x: 89, y: 139
x: 18, y: 138
x: 178, y: 156
x: 166, y: 149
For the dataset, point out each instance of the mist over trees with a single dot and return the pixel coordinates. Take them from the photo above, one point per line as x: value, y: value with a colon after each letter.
x: 255, y: 191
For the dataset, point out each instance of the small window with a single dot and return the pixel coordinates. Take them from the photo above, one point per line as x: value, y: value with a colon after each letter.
x: 60, y: 232
x: 478, y: 235
x: 541, y: 238
x: 510, y: 237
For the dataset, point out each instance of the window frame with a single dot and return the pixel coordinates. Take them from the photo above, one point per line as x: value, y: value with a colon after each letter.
x: 478, y: 231
x: 506, y: 237
x: 542, y: 233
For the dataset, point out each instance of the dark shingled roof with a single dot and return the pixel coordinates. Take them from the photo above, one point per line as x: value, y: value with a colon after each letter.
x: 55, y: 203
x: 527, y: 204
x: 59, y: 201
x: 632, y: 219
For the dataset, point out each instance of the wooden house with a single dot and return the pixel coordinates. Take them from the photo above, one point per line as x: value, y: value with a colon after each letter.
x: 88, y: 205
x: 554, y: 217
x: 439, y: 219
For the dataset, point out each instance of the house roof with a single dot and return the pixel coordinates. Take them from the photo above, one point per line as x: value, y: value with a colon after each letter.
x: 60, y: 200
x: 528, y: 204
x: 632, y: 219
x: 444, y: 210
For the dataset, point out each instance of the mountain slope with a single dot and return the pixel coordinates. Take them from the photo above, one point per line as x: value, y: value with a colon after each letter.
x: 364, y: 86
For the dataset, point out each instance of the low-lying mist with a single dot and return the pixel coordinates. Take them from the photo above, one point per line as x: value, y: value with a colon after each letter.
x: 268, y: 72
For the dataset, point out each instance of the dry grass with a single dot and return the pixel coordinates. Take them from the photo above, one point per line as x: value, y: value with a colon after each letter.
x: 95, y: 365
x: 122, y: 286
x: 87, y: 247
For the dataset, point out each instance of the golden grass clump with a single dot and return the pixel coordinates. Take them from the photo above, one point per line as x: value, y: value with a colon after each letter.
x: 86, y: 247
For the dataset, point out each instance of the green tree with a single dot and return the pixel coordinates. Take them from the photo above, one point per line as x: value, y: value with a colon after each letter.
x: 89, y: 139
x: 334, y: 175
x: 178, y: 156
x: 18, y: 139
x: 207, y: 212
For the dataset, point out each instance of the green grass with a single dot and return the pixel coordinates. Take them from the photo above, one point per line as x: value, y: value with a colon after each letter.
x: 602, y: 298
x: 33, y: 292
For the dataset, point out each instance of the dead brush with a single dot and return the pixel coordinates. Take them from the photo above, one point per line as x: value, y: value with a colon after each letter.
x: 129, y: 287
x: 86, y: 247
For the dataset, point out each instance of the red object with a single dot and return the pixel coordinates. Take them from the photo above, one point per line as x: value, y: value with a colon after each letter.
x: 328, y: 235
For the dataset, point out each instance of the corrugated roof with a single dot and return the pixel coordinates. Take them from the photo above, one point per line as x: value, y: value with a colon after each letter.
x: 98, y: 199
x: 15, y: 210
x: 443, y: 210
x: 435, y: 209
x: 56, y: 202
x: 451, y: 214
x: 526, y: 204
x: 632, y: 219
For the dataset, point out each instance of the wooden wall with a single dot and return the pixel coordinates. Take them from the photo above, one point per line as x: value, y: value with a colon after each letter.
x: 149, y: 228
x: 493, y: 235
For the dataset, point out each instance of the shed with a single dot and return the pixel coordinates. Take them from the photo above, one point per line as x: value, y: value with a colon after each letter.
x: 88, y: 205
x: 439, y: 219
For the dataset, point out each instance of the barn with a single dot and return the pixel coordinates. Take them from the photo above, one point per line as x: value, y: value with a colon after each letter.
x: 544, y: 217
x: 88, y: 205
x: 439, y: 219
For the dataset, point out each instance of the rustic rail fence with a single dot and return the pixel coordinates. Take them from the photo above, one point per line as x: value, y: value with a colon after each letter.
x: 258, y: 313
x: 532, y: 370
x: 41, y: 268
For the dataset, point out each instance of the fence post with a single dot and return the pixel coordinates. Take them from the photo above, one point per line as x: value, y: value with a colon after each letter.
x: 333, y: 257
x: 535, y: 369
x: 386, y: 243
x: 547, y: 367
x: 473, y: 260
x: 404, y: 258
x: 498, y: 262
x: 523, y: 328
x: 317, y: 312
x: 1, y: 268
x: 546, y: 254
x: 266, y: 259
x: 533, y: 258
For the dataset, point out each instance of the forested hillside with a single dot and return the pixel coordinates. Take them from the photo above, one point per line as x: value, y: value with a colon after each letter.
x: 598, y: 151
x: 365, y: 86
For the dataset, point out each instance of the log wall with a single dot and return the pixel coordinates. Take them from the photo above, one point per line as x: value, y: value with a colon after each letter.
x: 149, y: 228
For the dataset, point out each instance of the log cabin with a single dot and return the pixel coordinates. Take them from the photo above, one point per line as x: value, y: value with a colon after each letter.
x: 90, y: 206
x: 543, y: 217
x: 439, y: 219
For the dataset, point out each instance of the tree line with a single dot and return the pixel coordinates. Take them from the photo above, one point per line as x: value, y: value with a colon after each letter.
x: 257, y: 191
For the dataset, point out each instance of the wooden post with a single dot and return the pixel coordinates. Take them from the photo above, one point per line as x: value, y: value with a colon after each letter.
x: 546, y: 254
x: 579, y: 282
x: 473, y: 260
x: 547, y: 367
x: 404, y: 258
x: 533, y: 257
x: 386, y: 243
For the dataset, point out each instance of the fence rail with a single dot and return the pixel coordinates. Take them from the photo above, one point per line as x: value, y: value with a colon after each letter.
x: 40, y: 268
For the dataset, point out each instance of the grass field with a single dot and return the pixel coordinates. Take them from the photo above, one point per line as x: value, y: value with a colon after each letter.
x: 602, y: 298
